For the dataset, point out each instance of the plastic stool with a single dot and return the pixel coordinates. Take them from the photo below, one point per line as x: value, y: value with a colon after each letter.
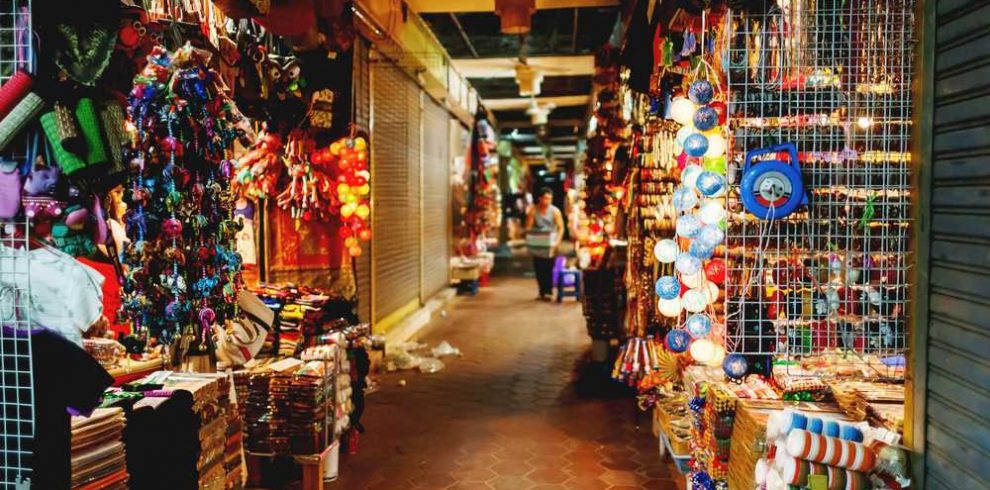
x: 568, y: 284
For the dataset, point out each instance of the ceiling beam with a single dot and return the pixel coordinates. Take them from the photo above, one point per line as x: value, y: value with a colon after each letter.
x: 464, y: 36
x: 524, y: 102
x: 550, y: 66
x: 527, y: 124
x: 443, y: 6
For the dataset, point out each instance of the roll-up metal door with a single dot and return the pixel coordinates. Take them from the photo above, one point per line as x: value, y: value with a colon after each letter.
x: 957, y: 61
x: 436, y: 198
x: 396, y: 126
x: 362, y: 118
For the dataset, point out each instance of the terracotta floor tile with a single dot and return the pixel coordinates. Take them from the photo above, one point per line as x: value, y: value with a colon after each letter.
x: 522, y: 400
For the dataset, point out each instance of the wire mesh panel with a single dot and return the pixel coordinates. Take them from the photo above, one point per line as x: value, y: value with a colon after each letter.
x: 832, y: 78
x: 16, y: 378
x: 15, y: 40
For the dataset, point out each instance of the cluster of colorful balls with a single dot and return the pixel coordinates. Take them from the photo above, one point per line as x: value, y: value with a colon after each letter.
x: 353, y: 191
x: 693, y: 286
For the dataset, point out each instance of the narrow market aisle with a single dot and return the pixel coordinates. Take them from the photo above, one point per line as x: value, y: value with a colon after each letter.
x: 520, y: 410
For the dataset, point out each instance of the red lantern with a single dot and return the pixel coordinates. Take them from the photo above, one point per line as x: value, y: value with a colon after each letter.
x: 682, y: 160
x: 317, y: 158
x: 722, y: 111
x: 344, y: 232
x: 364, y: 234
x: 715, y: 271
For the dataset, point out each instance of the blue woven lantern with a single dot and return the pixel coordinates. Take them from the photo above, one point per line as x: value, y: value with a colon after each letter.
x: 701, y: 92
x: 668, y: 287
x: 710, y: 184
x: 687, y: 264
x: 688, y: 226
x: 701, y: 250
x: 684, y: 199
x: 735, y: 366
x: 696, y: 145
x: 698, y: 325
x: 705, y: 118
x: 677, y: 341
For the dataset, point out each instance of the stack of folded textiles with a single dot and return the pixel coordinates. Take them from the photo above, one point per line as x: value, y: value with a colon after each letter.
x: 98, y: 459
x: 303, y: 313
x: 288, y: 410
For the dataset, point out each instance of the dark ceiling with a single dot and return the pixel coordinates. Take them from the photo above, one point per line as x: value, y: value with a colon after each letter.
x: 555, y: 32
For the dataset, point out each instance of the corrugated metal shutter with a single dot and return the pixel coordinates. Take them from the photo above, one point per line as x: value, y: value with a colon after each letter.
x: 362, y: 117
x: 958, y: 420
x: 395, y: 188
x: 436, y: 198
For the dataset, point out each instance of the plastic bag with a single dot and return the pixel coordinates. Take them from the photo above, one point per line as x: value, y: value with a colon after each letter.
x: 445, y: 349
x: 430, y: 365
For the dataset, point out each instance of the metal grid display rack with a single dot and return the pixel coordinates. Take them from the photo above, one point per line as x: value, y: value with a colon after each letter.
x: 833, y: 78
x: 16, y: 373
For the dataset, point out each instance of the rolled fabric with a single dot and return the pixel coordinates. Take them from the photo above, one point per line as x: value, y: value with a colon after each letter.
x: 843, y: 479
x: 13, y: 91
x: 14, y: 122
x: 796, y: 471
x: 68, y: 162
x: 831, y: 428
x: 794, y: 420
x: 762, y: 467
x: 89, y: 123
x: 846, y: 454
x: 113, y: 119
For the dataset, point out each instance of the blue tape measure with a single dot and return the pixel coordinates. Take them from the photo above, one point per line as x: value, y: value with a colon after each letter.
x: 772, y: 189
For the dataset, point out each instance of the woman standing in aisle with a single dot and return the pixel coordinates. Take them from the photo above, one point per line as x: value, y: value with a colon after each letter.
x: 544, y: 230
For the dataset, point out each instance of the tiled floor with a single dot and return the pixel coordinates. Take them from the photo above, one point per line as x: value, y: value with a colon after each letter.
x: 520, y: 410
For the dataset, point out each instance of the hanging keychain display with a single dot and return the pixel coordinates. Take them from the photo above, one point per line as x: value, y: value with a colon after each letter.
x: 772, y: 189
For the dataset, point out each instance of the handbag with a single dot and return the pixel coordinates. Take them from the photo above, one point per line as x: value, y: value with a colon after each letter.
x: 239, y: 341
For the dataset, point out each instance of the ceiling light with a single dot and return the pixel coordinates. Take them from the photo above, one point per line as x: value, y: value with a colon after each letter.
x: 516, y: 15
x: 528, y: 79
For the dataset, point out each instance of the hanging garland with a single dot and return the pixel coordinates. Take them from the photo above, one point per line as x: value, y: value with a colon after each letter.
x: 183, y: 272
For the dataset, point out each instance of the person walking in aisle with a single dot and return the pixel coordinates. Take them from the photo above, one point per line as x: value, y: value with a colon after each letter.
x: 544, y: 230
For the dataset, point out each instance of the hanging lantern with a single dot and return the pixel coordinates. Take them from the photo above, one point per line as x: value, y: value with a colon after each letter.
x: 693, y: 280
x: 698, y: 325
x: 703, y: 350
x: 714, y: 164
x: 694, y: 301
x: 687, y: 264
x: 515, y: 15
x: 670, y: 307
x: 688, y: 226
x: 697, y: 145
x: 723, y: 112
x: 668, y: 287
x: 710, y: 236
x: 684, y: 199
x: 683, y: 133
x: 701, y: 250
x: 701, y: 92
x: 711, y: 291
x: 711, y: 212
x: 715, y: 271
x: 735, y: 366
x: 682, y: 110
x: 715, y: 147
x: 710, y: 184
x: 665, y: 251
x: 677, y: 341
x: 705, y: 118
x: 717, y: 357
x: 689, y: 177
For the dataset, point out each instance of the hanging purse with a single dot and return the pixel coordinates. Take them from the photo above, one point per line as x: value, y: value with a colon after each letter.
x: 321, y: 109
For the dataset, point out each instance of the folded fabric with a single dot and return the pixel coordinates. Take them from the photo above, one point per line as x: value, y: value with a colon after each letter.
x: 66, y: 160
x: 89, y: 124
x: 13, y: 90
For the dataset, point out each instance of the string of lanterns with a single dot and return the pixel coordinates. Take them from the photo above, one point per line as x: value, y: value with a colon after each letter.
x: 694, y: 276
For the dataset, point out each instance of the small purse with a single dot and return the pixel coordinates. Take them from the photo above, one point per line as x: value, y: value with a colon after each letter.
x: 67, y: 130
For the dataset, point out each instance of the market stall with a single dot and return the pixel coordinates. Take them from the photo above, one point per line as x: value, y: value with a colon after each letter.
x: 159, y: 162
x: 762, y: 200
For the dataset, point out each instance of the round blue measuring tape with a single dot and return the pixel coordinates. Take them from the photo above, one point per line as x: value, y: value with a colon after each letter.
x: 772, y: 189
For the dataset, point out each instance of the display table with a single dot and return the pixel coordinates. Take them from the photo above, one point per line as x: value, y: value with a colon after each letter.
x: 130, y: 370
